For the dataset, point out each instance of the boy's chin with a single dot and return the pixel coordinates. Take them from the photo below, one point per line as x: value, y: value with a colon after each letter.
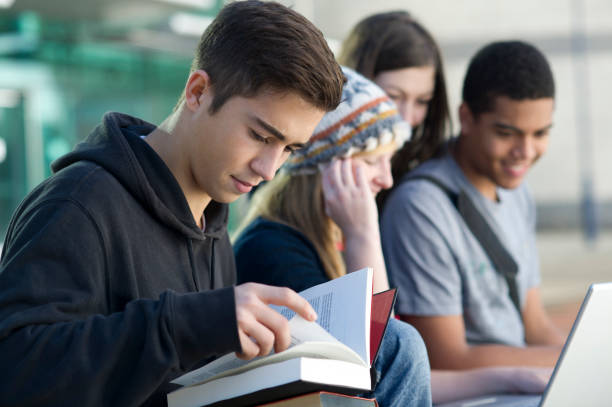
x: 510, y: 184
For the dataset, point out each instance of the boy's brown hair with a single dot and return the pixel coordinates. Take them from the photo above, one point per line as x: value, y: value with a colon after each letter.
x: 253, y: 46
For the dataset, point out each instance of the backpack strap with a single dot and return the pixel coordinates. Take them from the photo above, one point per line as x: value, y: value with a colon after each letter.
x: 500, y: 257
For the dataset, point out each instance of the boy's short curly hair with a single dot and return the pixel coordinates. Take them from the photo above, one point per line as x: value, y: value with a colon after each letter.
x: 514, y: 69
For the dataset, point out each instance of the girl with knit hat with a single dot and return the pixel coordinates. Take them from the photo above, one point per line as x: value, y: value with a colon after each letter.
x: 326, y: 190
x: 317, y: 220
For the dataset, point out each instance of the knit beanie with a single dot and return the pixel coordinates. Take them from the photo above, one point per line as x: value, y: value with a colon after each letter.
x: 365, y: 120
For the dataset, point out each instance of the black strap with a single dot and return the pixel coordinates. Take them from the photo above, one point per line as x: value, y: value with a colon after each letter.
x: 500, y: 257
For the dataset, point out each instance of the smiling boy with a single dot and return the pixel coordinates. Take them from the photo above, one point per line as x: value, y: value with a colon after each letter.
x: 451, y: 286
x: 117, y: 272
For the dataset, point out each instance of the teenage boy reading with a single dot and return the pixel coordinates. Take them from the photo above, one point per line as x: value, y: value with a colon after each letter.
x: 117, y: 273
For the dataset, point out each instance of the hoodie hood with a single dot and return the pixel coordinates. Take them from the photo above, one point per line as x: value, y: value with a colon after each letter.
x: 116, y: 146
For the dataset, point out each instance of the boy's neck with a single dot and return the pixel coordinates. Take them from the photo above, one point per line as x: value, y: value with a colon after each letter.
x: 482, y: 183
x: 166, y: 141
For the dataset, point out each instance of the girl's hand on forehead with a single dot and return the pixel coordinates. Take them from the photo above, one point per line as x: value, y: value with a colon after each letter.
x: 347, y: 196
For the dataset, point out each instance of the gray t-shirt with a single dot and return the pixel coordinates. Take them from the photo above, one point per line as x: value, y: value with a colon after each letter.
x: 438, y: 265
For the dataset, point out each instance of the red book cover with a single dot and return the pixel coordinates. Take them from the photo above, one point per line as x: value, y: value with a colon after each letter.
x: 382, y: 304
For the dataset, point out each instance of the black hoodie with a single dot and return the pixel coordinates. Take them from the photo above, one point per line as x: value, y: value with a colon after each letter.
x: 106, y: 281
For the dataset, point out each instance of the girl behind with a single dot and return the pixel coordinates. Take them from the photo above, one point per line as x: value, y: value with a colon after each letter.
x: 397, y: 53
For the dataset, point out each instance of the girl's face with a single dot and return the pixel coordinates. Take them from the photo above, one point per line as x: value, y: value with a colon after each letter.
x: 376, y: 166
x: 411, y: 89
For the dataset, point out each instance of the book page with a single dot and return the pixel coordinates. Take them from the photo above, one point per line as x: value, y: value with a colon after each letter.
x: 308, y: 339
x: 343, y: 307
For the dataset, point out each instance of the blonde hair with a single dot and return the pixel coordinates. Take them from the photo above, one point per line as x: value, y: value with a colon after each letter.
x: 297, y: 201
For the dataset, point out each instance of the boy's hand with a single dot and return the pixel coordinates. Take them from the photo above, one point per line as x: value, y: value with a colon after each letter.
x: 530, y: 379
x: 259, y: 326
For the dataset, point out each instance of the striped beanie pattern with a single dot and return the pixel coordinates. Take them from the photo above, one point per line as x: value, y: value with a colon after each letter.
x: 364, y: 120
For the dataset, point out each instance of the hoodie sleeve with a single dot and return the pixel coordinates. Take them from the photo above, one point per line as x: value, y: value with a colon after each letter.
x: 60, y: 345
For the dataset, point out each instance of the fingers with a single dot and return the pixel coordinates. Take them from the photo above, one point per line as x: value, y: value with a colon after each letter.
x: 331, y: 182
x: 260, y: 327
x: 335, y: 176
x: 338, y: 174
x: 348, y: 180
x: 287, y: 297
x: 360, y: 179
x: 326, y: 182
x: 343, y: 175
x: 531, y: 380
x: 544, y: 373
x: 250, y: 348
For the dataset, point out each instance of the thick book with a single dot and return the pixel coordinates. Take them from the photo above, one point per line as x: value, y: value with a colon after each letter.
x: 333, y: 354
x: 323, y: 399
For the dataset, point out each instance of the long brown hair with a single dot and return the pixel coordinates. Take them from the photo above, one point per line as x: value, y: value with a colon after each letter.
x: 394, y: 40
x: 297, y: 201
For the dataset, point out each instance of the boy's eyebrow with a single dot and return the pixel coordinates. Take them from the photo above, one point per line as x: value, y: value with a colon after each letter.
x: 504, y: 126
x: 545, y: 128
x: 500, y: 125
x: 272, y: 130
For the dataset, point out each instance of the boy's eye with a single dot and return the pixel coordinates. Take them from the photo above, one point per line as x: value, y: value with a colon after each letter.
x: 295, y: 147
x: 503, y: 133
x: 257, y: 137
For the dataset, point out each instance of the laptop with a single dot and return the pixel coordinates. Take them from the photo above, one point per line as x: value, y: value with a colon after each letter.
x: 583, y: 373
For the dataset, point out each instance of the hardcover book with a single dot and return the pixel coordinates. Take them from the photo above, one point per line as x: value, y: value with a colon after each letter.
x: 333, y: 354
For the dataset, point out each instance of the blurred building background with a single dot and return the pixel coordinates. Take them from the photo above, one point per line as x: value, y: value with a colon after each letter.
x: 63, y: 63
x: 576, y: 35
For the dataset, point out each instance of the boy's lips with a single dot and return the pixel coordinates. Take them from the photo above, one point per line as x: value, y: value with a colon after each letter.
x: 242, y: 186
x: 516, y: 170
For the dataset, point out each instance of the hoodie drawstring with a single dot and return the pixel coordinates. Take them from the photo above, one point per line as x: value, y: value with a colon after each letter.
x: 211, y: 267
x: 194, y: 275
x: 212, y: 264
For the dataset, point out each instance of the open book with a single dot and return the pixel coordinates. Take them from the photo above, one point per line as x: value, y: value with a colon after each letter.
x: 333, y: 354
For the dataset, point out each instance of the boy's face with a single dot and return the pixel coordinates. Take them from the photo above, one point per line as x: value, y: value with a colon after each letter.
x: 246, y: 140
x: 499, y: 147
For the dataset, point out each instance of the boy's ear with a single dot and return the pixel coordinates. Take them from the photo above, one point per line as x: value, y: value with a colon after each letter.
x: 466, y: 118
x: 198, y: 90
